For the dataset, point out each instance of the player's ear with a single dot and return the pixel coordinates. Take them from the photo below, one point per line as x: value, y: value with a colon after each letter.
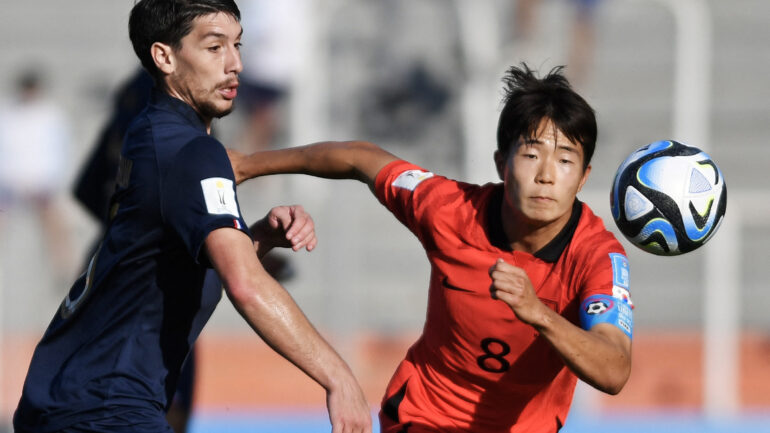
x: 163, y: 56
x: 583, y: 180
x: 500, y: 163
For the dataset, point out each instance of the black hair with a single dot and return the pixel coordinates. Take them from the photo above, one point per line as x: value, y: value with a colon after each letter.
x: 168, y: 21
x: 529, y: 99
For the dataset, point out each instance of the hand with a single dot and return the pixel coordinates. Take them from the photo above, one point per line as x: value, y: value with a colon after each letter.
x: 236, y: 160
x: 348, y: 410
x: 287, y: 227
x: 511, y: 285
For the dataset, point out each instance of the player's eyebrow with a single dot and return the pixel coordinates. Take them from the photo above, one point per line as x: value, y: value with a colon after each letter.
x: 567, y: 148
x: 213, y: 34
x: 219, y: 35
x: 559, y: 146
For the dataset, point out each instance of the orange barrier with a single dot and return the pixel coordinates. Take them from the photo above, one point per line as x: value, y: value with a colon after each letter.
x: 240, y: 372
x: 666, y: 372
x: 16, y: 353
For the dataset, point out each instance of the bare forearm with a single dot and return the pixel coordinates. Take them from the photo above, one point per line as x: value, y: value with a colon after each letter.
x: 332, y: 160
x: 599, y: 357
x: 269, y: 309
x: 273, y: 314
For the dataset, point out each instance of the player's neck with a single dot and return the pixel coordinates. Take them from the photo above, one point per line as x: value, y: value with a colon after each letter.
x: 175, y: 93
x: 529, y: 236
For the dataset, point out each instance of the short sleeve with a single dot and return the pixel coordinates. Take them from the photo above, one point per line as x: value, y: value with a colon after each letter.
x: 608, y: 273
x: 198, y: 194
x: 399, y: 187
x: 605, y: 293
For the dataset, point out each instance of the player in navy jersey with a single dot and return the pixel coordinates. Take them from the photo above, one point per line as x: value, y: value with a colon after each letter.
x: 111, y: 356
x: 528, y: 290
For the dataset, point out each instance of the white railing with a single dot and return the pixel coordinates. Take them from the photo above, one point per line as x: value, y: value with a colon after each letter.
x: 2, y: 354
x: 692, y: 106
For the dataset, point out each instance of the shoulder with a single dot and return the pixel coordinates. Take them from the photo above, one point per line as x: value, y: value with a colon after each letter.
x: 170, y: 136
x: 401, y: 174
x: 403, y: 177
x: 593, y: 236
x: 199, y: 153
x: 595, y: 262
x: 594, y: 248
x: 204, y: 145
x: 159, y: 125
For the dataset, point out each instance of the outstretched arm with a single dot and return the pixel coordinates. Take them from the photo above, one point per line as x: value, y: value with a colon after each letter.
x: 274, y: 315
x: 600, y: 356
x: 331, y: 159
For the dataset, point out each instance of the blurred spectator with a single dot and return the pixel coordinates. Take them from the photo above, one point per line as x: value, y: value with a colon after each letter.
x: 582, y: 34
x: 273, y: 31
x: 400, y: 107
x: 412, y: 69
x: 96, y: 180
x: 273, y: 34
x: 34, y: 155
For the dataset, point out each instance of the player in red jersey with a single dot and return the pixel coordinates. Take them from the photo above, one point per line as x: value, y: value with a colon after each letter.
x: 528, y: 290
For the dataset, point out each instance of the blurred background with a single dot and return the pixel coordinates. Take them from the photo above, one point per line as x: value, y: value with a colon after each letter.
x: 422, y: 79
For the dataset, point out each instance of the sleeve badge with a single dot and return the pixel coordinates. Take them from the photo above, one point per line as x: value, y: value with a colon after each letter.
x: 220, y: 196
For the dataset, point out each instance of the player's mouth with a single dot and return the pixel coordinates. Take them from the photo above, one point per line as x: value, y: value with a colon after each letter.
x: 542, y: 201
x: 229, y: 91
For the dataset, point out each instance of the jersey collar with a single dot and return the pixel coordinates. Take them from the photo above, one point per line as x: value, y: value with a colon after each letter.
x: 551, y: 252
x: 163, y: 101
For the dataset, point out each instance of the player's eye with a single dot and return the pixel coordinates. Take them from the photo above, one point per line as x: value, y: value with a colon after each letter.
x: 238, y: 46
x: 214, y: 48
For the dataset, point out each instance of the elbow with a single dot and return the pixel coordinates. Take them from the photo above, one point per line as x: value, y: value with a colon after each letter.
x: 611, y: 369
x: 252, y: 291
x: 240, y: 291
x: 362, y: 145
x: 615, y: 380
x: 237, y: 292
x: 613, y: 388
x: 362, y: 150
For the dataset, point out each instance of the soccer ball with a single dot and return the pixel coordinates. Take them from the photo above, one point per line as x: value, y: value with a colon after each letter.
x: 668, y: 198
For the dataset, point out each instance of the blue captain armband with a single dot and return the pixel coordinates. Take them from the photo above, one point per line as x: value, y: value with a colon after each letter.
x: 606, y: 309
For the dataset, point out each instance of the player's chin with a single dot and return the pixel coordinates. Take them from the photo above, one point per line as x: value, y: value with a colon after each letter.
x: 226, y: 107
x: 548, y: 212
x: 219, y: 109
x: 542, y: 215
x: 224, y: 113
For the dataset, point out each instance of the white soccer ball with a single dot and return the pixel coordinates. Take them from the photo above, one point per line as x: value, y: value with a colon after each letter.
x: 668, y: 198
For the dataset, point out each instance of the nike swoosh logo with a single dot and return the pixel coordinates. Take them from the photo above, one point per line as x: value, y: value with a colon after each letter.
x: 445, y: 283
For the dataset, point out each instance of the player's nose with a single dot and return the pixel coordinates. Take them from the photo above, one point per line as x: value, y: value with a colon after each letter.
x: 233, y: 62
x: 545, y: 172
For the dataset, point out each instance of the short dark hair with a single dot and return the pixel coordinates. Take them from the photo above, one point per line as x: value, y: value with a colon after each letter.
x: 528, y: 100
x: 168, y: 21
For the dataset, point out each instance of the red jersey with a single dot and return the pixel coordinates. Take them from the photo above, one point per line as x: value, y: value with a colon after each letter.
x: 476, y: 367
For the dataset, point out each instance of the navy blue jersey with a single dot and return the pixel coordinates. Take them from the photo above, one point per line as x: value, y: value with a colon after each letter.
x: 112, y: 354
